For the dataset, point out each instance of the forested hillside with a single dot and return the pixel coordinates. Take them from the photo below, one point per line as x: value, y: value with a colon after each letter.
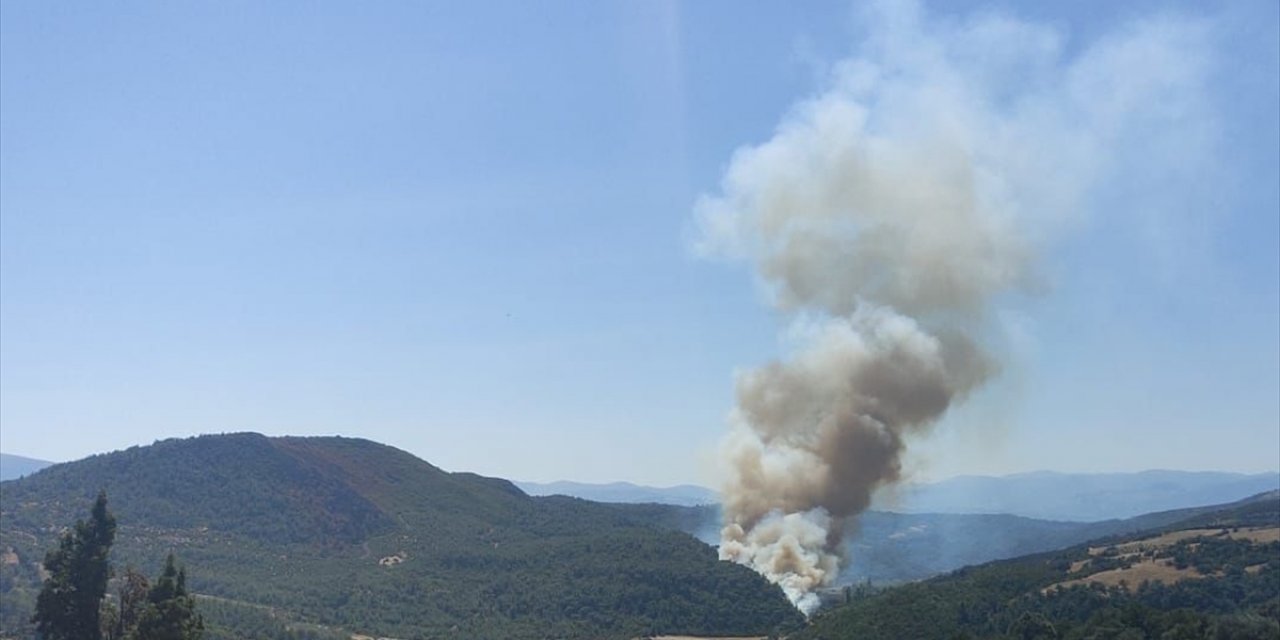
x: 333, y: 536
x: 1214, y: 575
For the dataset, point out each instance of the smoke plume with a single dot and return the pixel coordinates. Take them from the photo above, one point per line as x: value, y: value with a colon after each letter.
x: 888, y: 216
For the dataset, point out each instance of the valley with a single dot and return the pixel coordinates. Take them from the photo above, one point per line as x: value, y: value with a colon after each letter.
x: 1215, y: 574
x: 331, y: 538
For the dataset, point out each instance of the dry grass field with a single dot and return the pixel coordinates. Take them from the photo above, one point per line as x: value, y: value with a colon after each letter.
x: 1143, y: 570
x: 1149, y: 569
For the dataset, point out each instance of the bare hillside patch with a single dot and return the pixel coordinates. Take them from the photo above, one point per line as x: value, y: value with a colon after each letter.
x: 1144, y: 561
x: 1148, y: 570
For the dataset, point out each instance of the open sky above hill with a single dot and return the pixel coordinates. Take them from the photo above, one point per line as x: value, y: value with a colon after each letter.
x: 466, y: 230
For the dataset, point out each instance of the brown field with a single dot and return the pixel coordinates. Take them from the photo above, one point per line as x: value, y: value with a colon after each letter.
x: 1260, y: 535
x: 1256, y: 534
x: 1144, y: 571
x: 1160, y: 570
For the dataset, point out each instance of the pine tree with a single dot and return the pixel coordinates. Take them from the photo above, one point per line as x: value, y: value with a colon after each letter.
x: 170, y: 613
x: 68, y: 607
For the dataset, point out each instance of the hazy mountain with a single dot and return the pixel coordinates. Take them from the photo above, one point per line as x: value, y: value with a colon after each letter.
x: 684, y: 495
x: 896, y: 547
x: 335, y: 536
x: 1212, y: 575
x: 1045, y: 495
x: 1077, y: 496
x: 936, y: 528
x: 12, y: 466
x: 889, y: 548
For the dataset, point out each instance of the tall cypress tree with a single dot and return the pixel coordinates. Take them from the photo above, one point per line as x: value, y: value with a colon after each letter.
x: 68, y: 605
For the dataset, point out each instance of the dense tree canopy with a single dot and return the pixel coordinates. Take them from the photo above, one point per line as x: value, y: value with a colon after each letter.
x: 326, y: 536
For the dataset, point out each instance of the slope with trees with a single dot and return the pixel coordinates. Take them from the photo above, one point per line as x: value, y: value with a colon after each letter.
x: 338, y: 535
x: 1219, y: 577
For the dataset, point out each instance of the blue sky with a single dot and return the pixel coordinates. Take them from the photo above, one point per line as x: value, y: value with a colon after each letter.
x: 465, y: 229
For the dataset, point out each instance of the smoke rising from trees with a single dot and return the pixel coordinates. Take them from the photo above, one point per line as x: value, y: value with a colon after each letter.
x: 887, y: 216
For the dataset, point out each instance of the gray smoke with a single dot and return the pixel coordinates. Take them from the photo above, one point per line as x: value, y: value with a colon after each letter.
x: 887, y: 216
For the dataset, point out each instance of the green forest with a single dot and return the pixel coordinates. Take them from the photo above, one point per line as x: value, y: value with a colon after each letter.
x: 321, y: 537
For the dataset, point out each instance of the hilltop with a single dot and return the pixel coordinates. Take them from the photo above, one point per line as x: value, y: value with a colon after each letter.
x: 338, y: 536
x: 1214, y: 573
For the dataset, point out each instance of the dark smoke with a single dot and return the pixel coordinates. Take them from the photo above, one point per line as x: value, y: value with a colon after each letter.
x: 888, y: 215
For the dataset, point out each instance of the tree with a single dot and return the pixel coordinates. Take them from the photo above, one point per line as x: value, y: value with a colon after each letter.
x: 119, y: 624
x: 170, y: 613
x: 68, y: 607
x: 1032, y: 626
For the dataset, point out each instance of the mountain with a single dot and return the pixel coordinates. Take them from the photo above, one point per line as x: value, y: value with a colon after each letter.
x: 335, y: 536
x: 1215, y: 574
x: 1083, y: 497
x: 687, y: 495
x: 12, y: 466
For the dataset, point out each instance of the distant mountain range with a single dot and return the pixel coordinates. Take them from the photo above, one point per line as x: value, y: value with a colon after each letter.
x: 1046, y: 495
x: 1083, y: 497
x: 1079, y: 497
x: 12, y: 466
x: 685, y: 495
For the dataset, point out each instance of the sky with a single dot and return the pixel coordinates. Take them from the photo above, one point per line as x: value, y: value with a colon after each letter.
x: 468, y: 230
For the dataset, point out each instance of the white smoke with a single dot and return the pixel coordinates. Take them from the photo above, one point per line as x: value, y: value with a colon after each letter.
x: 889, y: 214
x: 789, y: 546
